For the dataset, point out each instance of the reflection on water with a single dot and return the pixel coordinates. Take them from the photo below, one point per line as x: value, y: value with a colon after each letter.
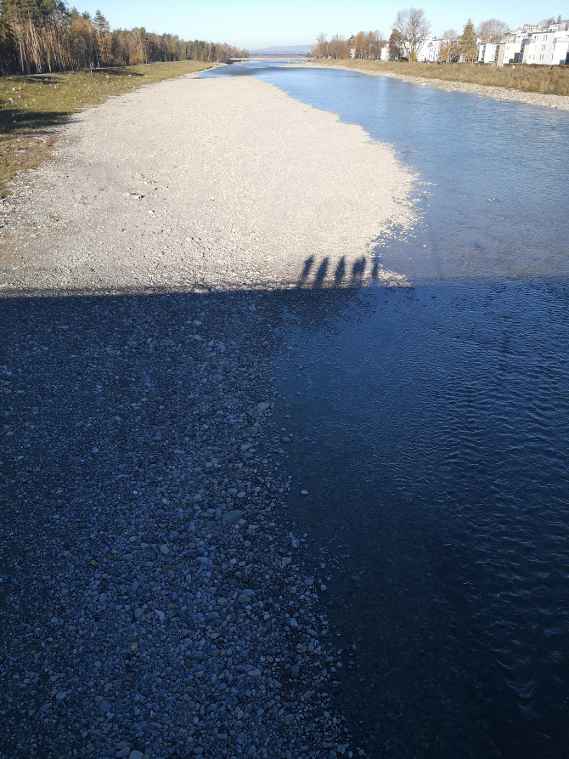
x: 432, y: 430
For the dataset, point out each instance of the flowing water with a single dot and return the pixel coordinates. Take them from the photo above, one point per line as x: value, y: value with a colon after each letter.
x: 431, y: 429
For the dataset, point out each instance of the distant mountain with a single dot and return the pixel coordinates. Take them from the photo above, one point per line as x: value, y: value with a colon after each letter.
x: 283, y: 50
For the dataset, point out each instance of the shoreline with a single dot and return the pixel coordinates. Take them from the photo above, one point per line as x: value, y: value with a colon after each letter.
x: 208, y: 185
x: 555, y: 102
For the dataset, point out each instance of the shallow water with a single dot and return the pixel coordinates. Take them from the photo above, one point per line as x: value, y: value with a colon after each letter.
x: 431, y: 428
x: 492, y: 175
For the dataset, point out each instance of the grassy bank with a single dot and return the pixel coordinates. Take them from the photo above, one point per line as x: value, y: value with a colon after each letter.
x: 29, y: 105
x: 538, y: 79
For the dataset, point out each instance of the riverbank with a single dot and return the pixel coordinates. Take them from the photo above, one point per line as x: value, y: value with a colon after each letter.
x: 218, y: 182
x: 161, y: 601
x: 32, y: 106
x: 500, y: 84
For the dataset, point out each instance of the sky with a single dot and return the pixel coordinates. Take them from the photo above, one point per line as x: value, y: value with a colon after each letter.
x: 263, y: 23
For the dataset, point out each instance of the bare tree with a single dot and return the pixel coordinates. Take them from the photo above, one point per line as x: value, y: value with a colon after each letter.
x: 338, y: 48
x: 492, y: 30
x: 320, y: 50
x: 413, y: 27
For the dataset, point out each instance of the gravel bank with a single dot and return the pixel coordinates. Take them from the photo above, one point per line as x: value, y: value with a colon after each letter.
x: 157, y: 602
x: 559, y: 102
x: 220, y: 182
x: 155, y: 597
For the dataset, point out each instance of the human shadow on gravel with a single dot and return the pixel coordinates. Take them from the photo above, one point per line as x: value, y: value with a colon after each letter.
x: 326, y: 274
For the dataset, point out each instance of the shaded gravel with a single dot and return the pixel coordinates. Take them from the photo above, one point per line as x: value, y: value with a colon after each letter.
x: 155, y: 598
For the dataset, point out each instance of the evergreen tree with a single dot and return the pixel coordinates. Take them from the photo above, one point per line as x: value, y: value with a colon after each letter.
x: 468, y: 43
x: 101, y: 24
x: 395, y: 44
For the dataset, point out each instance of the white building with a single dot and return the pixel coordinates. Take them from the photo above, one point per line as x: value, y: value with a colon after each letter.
x: 487, y: 52
x: 510, y: 48
x: 546, y: 48
x: 430, y: 50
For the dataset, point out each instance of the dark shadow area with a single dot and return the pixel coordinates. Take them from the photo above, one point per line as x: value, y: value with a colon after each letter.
x: 340, y: 272
x: 57, y: 78
x: 320, y: 275
x: 45, y: 79
x: 436, y: 492
x: 12, y: 119
x: 123, y: 396
x: 358, y: 271
x: 115, y: 71
x: 306, y: 269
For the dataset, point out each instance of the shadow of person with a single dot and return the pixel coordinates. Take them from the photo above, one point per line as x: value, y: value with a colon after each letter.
x: 306, y: 269
x: 358, y: 271
x: 321, y: 273
x: 340, y: 272
x: 375, y: 270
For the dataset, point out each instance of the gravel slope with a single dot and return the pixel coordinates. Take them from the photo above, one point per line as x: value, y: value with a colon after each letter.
x: 156, y: 601
x: 222, y: 182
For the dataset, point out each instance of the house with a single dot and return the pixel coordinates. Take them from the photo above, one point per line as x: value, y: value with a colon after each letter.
x: 510, y: 48
x: 430, y: 50
x: 487, y: 52
x: 546, y: 48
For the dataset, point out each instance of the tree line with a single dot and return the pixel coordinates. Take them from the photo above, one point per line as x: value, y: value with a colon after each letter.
x: 46, y: 35
x: 410, y: 32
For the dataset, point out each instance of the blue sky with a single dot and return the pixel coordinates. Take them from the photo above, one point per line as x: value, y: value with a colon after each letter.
x: 260, y: 23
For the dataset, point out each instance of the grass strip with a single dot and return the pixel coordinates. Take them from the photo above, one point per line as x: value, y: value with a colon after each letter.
x: 545, y: 80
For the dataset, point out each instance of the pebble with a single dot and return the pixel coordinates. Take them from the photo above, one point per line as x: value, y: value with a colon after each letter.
x: 246, y: 596
x: 231, y: 517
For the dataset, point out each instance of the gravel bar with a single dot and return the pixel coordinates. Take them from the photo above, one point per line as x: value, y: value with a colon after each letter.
x: 223, y: 182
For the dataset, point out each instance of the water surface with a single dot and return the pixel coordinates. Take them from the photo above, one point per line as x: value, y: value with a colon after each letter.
x: 431, y: 428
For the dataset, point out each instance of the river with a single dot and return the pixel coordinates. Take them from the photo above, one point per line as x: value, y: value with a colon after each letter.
x: 431, y: 431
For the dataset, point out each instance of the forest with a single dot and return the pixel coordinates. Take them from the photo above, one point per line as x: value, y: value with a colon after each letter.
x: 38, y: 36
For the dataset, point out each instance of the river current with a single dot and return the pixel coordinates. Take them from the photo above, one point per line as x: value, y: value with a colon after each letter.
x: 431, y: 430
